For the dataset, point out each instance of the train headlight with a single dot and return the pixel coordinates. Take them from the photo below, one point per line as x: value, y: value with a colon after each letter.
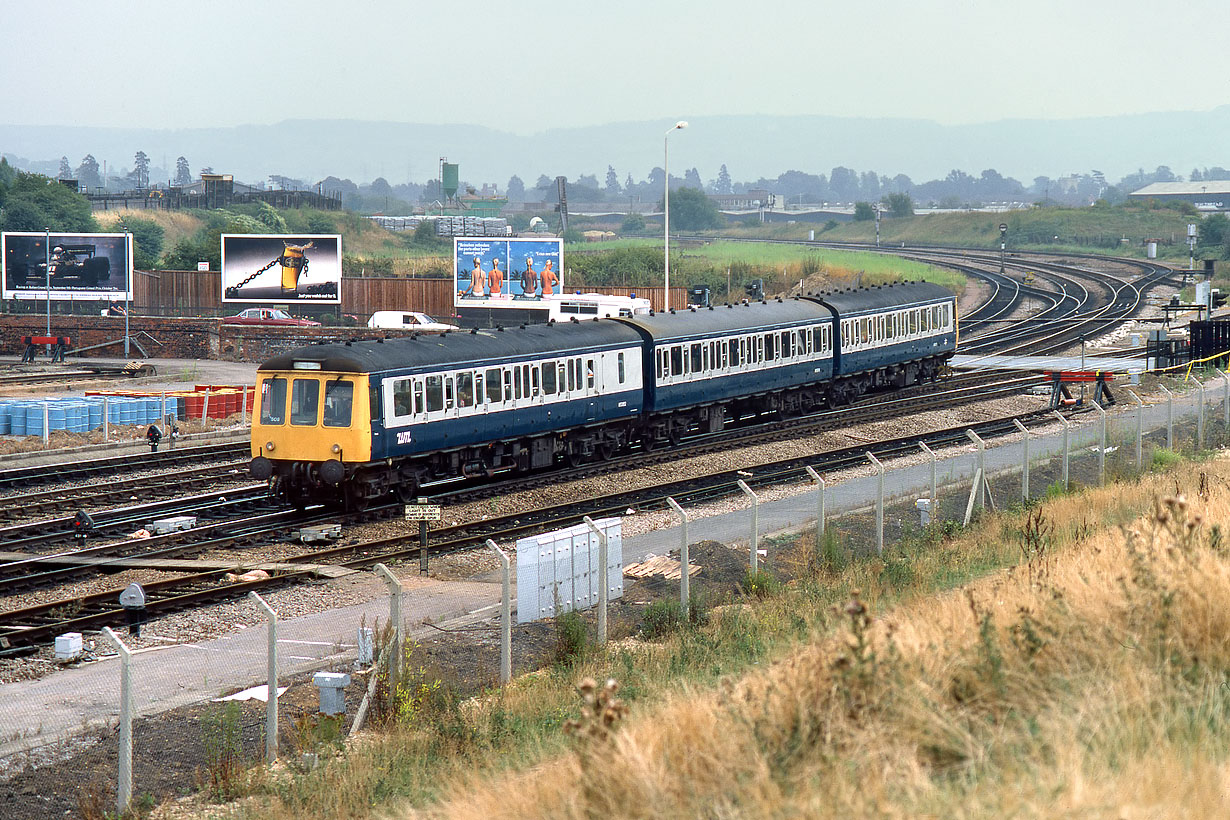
x: 269, y: 446
x: 337, y: 448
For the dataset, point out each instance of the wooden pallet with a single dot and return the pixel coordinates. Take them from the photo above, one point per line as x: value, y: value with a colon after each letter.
x: 668, y: 568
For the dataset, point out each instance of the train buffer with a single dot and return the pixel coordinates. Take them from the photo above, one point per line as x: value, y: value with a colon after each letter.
x: 1061, y: 395
x: 59, y: 346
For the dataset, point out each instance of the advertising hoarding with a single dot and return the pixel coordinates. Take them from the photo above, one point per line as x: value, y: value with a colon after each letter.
x: 281, y: 269
x: 506, y: 271
x: 73, y: 266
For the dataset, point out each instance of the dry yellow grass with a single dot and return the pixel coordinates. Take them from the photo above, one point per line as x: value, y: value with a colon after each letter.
x: 1089, y: 681
x: 177, y: 224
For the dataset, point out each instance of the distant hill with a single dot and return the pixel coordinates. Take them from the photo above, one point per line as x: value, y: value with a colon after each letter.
x: 750, y: 146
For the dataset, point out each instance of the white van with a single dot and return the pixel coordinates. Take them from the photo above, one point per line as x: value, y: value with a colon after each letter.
x: 407, y: 320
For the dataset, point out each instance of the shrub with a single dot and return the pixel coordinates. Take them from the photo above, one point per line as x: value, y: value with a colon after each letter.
x: 760, y: 584
x: 571, y: 638
x: 1164, y: 459
x: 661, y: 618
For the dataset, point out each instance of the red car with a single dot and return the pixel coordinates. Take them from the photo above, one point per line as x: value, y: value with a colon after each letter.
x: 267, y: 316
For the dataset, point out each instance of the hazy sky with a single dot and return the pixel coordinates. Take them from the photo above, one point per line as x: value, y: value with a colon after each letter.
x: 536, y: 64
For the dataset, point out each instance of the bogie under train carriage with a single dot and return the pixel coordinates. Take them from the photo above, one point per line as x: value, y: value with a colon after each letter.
x: 359, y: 420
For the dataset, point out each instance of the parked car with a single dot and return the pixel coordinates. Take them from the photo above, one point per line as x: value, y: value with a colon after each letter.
x: 268, y: 316
x: 407, y: 320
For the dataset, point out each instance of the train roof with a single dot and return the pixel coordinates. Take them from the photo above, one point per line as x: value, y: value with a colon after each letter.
x: 725, y: 319
x: 882, y: 297
x: 429, y: 349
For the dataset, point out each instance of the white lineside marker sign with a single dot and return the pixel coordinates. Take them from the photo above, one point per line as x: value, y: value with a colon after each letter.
x: 423, y: 512
x: 557, y: 572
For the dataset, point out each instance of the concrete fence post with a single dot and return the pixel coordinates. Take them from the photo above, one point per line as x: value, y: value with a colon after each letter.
x: 1024, y: 459
x: 755, y: 559
x: 603, y: 586
x: 106, y: 419
x: 46, y: 423
x: 243, y: 407
x: 1225, y: 403
x: 205, y: 411
x: 1140, y: 431
x: 982, y: 467
x: 123, y: 796
x: 271, y: 702
x: 935, y: 501
x: 395, y: 618
x: 819, y: 482
x: 685, y: 593
x: 505, y: 614
x: 1066, y: 425
x: 879, y: 503
x: 1101, y: 446
x: 1169, y: 416
x: 1200, y: 417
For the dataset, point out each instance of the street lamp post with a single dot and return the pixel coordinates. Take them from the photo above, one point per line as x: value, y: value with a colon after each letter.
x: 666, y: 212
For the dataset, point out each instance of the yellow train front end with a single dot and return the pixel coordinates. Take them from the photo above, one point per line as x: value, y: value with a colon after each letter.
x: 311, y: 431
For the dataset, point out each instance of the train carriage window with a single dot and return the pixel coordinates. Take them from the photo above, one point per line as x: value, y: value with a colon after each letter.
x: 435, y: 393
x: 494, y: 390
x: 419, y: 405
x: 510, y: 376
x: 676, y: 360
x: 516, y: 377
x: 373, y: 397
x: 273, y: 400
x: 448, y: 392
x: 525, y: 381
x: 465, y: 389
x: 802, y: 339
x: 339, y: 399
x: 479, y: 395
x: 696, y: 357
x: 304, y: 401
x: 401, y: 397
x: 535, y: 389
x: 572, y: 377
x: 548, y: 378
x: 589, y: 373
x: 707, y: 351
x: 620, y: 364
x: 733, y: 356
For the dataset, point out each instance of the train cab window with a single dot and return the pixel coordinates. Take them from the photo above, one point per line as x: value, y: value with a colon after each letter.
x: 373, y: 395
x: 697, y: 359
x: 465, y: 389
x: 494, y: 390
x: 273, y: 401
x: 304, y: 401
x: 339, y: 399
x: 435, y: 393
x: 401, y: 397
x: 619, y: 364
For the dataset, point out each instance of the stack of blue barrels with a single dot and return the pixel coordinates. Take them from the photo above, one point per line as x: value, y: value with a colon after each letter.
x: 76, y: 415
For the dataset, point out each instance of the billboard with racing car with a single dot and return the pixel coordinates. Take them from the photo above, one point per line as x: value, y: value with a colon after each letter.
x: 66, y: 266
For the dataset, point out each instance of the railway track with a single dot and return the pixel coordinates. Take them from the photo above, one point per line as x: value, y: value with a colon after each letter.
x: 23, y: 478
x: 23, y: 630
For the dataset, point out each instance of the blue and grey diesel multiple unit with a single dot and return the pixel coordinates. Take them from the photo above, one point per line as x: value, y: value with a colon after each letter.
x: 485, y: 402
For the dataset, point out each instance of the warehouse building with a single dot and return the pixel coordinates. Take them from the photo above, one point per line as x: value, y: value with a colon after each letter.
x: 1207, y: 195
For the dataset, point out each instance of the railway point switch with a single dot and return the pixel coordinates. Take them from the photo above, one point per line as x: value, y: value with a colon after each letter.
x: 175, y: 523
